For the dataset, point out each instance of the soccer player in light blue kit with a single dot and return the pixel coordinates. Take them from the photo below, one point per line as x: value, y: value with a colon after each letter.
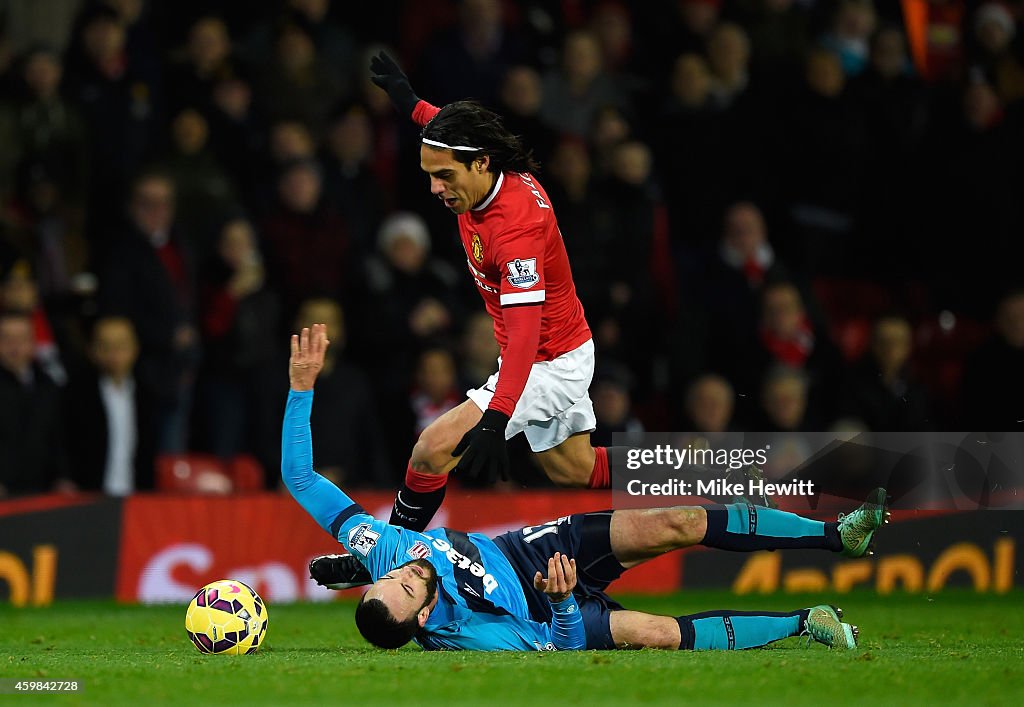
x: 542, y: 587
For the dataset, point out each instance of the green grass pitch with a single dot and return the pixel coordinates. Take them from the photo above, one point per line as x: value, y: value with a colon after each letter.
x: 950, y: 647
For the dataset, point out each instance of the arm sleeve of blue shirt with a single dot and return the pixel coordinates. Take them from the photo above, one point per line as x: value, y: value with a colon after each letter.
x: 504, y: 632
x: 329, y: 505
x: 373, y: 542
x: 567, y: 633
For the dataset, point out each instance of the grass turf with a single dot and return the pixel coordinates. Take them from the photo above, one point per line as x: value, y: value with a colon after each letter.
x: 945, y: 648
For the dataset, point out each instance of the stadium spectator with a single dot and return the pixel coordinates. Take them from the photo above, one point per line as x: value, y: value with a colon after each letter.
x: 120, y: 101
x: 993, y: 390
x: 852, y: 26
x: 48, y: 228
x: 481, y: 45
x: 613, y: 407
x: 19, y: 291
x: 435, y: 391
x: 237, y: 134
x: 44, y: 130
x: 824, y: 156
x: 109, y: 415
x: 779, y: 37
x: 352, y: 449
x: 206, y: 59
x: 994, y: 28
x: 149, y: 277
x: 574, y: 93
x: 30, y: 413
x: 308, y: 248
x: 787, y: 336
x: 479, y: 351
x: 240, y: 318
x: 729, y: 291
x: 710, y: 401
x: 729, y: 60
x: 784, y: 401
x: 296, y: 82
x: 205, y: 193
x: 881, y: 392
x: 898, y: 111
x: 349, y: 177
x: 520, y: 101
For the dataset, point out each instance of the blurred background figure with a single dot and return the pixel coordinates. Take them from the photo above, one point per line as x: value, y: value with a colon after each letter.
x: 150, y: 278
x: 993, y: 389
x: 307, y: 241
x: 108, y: 415
x: 479, y: 351
x: 350, y: 448
x: 784, y: 396
x: 414, y: 297
x: 882, y: 392
x: 710, y: 402
x: 435, y: 391
x: 30, y: 413
x: 613, y: 407
x: 241, y: 324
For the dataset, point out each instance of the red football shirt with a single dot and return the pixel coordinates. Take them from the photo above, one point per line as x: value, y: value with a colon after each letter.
x: 516, y: 256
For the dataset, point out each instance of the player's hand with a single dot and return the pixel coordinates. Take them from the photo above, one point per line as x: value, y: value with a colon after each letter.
x: 561, y: 578
x: 482, y: 449
x: 308, y: 349
x: 386, y: 73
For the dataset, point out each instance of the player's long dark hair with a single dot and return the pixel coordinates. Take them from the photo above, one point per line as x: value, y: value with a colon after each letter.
x: 378, y: 626
x: 469, y: 123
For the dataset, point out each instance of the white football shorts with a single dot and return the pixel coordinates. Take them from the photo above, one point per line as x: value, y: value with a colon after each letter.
x: 556, y: 401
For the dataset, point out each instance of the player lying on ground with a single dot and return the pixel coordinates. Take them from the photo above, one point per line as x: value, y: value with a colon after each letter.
x: 514, y: 252
x: 446, y: 589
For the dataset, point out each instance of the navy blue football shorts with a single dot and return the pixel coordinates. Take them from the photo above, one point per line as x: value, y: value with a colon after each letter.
x: 584, y: 537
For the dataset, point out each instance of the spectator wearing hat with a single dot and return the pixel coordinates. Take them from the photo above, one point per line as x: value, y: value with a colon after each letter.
x: 413, y: 297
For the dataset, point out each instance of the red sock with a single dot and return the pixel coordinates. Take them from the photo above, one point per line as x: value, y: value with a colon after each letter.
x: 425, y: 483
x: 600, y: 477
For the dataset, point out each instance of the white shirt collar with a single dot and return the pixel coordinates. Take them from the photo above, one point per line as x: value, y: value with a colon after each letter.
x: 494, y: 192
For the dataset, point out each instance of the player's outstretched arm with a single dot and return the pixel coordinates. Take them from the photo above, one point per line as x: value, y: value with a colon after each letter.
x: 385, y: 73
x: 567, y: 631
x: 318, y: 496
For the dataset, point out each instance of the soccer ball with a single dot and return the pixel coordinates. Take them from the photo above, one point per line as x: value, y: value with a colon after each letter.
x: 226, y: 617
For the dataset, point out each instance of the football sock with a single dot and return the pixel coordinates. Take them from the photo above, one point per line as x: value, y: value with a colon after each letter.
x: 736, y: 630
x: 418, y: 500
x: 606, y: 459
x: 745, y: 528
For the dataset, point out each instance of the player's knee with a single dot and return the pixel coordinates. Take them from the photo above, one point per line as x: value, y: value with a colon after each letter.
x: 686, y: 523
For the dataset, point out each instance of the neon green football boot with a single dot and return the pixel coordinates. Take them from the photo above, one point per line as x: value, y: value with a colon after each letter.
x: 824, y: 624
x: 856, y: 529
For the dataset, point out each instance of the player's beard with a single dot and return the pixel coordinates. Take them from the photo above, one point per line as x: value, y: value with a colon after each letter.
x: 430, y: 579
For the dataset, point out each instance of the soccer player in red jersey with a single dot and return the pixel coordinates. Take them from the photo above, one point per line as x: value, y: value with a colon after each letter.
x: 515, y: 254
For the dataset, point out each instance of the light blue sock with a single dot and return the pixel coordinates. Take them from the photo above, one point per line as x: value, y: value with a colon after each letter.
x: 736, y: 630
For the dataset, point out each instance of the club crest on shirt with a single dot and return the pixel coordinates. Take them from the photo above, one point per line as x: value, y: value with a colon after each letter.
x: 478, y: 248
x: 419, y: 551
x: 361, y: 539
x: 522, y: 273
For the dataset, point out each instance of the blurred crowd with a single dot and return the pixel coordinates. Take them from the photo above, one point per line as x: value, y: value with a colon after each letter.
x: 781, y: 215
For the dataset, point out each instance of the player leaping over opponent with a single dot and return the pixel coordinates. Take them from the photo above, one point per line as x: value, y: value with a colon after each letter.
x: 446, y: 589
x: 515, y: 254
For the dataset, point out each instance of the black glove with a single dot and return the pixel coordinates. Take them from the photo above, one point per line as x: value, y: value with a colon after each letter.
x: 388, y: 75
x: 482, y: 449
